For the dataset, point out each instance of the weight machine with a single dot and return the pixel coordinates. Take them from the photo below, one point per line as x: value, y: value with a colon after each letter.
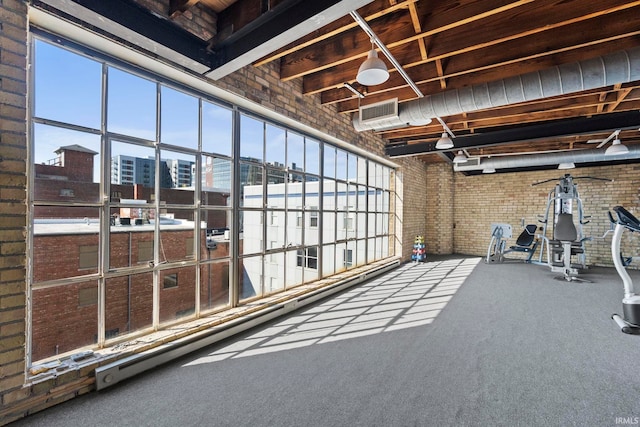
x: 562, y: 236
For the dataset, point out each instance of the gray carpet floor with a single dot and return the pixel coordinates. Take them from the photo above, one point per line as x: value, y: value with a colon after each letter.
x: 449, y: 342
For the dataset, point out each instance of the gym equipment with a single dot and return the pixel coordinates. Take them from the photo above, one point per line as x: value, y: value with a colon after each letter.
x: 629, y: 323
x: 526, y: 242
x: 419, y: 253
x: 564, y: 207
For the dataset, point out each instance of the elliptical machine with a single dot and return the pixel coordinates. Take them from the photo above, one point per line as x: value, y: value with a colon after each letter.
x: 630, y: 322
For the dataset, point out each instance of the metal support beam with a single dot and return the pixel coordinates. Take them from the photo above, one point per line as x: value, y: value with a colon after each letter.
x: 126, y: 19
x: 583, y: 125
x: 285, y: 23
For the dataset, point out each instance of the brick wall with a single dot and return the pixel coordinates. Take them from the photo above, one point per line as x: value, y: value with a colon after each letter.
x: 478, y: 201
x: 13, y: 154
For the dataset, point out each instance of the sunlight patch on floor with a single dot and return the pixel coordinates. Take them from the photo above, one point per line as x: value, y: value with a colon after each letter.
x: 410, y: 296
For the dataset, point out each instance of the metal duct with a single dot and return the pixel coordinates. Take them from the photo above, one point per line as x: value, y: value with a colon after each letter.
x: 607, y: 70
x: 528, y: 160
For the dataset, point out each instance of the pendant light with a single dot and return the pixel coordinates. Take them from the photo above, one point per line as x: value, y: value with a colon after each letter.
x: 373, y: 70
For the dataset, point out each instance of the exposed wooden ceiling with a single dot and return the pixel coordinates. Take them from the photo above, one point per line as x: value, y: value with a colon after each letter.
x: 444, y: 45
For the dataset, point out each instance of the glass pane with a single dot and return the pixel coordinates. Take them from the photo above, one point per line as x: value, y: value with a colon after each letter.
x: 372, y: 174
x: 352, y: 167
x: 351, y: 254
x: 362, y: 198
x: 311, y: 235
x: 78, y: 228
x: 329, y: 161
x: 275, y: 229
x: 385, y: 201
x: 342, y: 257
x: 294, y: 192
x: 311, y: 265
x: 362, y: 170
x: 311, y: 199
x: 250, y: 277
x: 371, y: 226
x: 328, y: 260
x: 379, y: 248
x: 328, y: 227
x: 132, y: 236
x: 216, y: 181
x: 382, y: 225
x: 177, y: 171
x: 216, y: 234
x: 371, y: 250
x: 352, y: 197
x: 275, y: 187
x: 178, y: 118
x: 275, y: 151
x: 385, y: 247
x: 131, y: 105
x: 295, y: 151
x: 177, y: 293
x: 71, y: 93
x: 379, y: 201
x: 129, y: 304
x: 133, y: 169
x: 214, y: 285
x: 216, y: 129
x: 274, y: 272
x: 372, y: 200
x: 341, y: 164
x: 67, y: 165
x: 312, y: 156
x: 295, y: 261
x: 250, y: 185
x: 177, y: 234
x: 251, y: 139
x: 361, y: 231
x: 386, y: 176
x: 329, y: 195
x: 251, y: 237
x: 295, y: 228
x: 77, y: 305
x: 361, y: 255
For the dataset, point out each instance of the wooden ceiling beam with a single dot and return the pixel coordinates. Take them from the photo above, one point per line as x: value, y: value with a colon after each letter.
x: 178, y: 7
x: 370, y: 12
x: 558, y: 35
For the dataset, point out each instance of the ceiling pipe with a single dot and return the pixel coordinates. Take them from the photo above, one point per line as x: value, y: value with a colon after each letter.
x: 546, y: 159
x: 615, y: 68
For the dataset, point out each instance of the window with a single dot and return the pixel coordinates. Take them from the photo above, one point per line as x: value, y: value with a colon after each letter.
x: 170, y: 281
x: 347, y: 255
x: 88, y: 256
x: 308, y: 258
x: 182, y: 139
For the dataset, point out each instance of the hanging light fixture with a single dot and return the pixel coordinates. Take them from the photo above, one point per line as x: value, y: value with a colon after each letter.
x: 616, y: 148
x: 444, y: 143
x: 373, y: 70
x: 460, y: 157
x: 489, y: 170
x: 566, y: 165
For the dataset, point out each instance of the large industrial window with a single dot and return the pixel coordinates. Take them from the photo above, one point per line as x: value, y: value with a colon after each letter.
x: 142, y: 182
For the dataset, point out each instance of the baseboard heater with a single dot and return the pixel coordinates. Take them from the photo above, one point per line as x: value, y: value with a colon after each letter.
x: 122, y: 369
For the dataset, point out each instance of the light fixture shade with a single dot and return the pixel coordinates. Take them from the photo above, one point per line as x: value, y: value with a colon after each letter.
x: 489, y: 170
x: 373, y: 70
x: 616, y: 148
x: 566, y: 165
x: 444, y: 143
x: 460, y: 157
